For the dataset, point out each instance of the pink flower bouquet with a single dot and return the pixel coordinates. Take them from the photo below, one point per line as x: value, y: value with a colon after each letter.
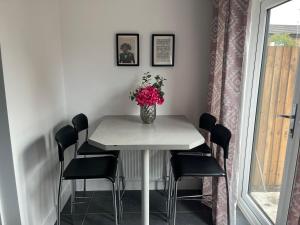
x: 149, y: 93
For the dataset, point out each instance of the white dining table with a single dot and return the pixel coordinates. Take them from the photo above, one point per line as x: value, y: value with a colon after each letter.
x: 129, y: 133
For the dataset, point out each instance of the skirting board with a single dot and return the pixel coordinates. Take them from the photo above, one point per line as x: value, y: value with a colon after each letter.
x: 65, y: 195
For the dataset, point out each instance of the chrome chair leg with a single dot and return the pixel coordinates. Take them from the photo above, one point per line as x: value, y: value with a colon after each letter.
x: 84, y: 181
x: 166, y: 184
x: 174, y: 202
x: 119, y: 195
x: 169, y: 193
x: 227, y: 195
x: 58, y: 197
x: 115, y: 203
x: 165, y: 171
x: 84, y: 185
x: 171, y: 204
x: 121, y: 174
x: 73, y: 197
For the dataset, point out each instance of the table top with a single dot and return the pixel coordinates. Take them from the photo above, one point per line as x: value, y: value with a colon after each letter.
x: 129, y: 133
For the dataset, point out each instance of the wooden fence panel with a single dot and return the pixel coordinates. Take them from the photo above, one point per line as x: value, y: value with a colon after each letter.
x: 277, y: 88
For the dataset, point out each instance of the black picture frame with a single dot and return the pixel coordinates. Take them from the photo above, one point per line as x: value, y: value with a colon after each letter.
x: 166, y: 58
x: 131, y: 42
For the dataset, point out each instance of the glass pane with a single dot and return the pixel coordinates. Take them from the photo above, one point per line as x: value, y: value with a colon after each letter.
x: 278, y: 75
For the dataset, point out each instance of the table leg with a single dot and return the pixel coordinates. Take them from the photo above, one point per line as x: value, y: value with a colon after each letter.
x: 145, y: 188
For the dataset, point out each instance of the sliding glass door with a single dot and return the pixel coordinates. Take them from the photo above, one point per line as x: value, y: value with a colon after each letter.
x: 274, y: 142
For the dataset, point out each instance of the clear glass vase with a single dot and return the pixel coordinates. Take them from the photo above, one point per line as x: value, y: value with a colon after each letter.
x: 148, y: 113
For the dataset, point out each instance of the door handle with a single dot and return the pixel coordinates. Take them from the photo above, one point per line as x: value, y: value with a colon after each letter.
x: 286, y: 116
x: 292, y: 118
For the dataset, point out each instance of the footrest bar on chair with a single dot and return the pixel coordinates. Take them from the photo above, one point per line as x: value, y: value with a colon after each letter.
x: 75, y: 203
x: 79, y: 197
x: 192, y: 196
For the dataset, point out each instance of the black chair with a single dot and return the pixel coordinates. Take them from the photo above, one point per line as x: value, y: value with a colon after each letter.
x: 80, y: 123
x: 201, y: 166
x: 84, y: 168
x: 207, y: 123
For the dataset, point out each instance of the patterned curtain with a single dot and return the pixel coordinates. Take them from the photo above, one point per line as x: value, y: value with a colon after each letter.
x: 294, y: 210
x: 226, y: 61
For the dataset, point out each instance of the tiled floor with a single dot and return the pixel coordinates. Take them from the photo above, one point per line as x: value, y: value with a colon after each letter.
x: 99, y: 211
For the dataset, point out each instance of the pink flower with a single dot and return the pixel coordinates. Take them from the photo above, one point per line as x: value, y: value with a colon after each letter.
x: 160, y: 101
x: 148, y: 96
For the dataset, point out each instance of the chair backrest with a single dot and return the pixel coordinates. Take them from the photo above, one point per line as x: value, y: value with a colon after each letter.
x: 221, y: 136
x: 80, y: 122
x: 65, y: 137
x: 207, y: 121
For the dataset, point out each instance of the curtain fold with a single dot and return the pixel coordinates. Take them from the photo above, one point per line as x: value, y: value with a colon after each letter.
x: 294, y: 209
x: 224, y: 97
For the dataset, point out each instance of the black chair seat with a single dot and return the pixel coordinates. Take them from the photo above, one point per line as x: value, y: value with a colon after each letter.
x: 199, y: 150
x: 88, y: 149
x: 202, y: 166
x: 90, y: 168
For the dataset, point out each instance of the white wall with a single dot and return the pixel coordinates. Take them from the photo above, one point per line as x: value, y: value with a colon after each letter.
x: 96, y: 86
x: 33, y: 75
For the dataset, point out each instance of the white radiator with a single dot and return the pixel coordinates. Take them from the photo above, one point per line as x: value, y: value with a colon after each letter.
x: 132, y: 164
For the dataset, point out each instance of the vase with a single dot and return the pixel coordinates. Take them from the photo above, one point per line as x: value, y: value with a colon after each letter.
x: 148, y: 113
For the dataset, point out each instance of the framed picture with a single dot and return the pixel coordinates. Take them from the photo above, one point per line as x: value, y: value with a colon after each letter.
x: 127, y: 49
x: 163, y: 49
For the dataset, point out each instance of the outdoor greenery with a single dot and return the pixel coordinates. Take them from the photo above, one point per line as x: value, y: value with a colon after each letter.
x: 283, y: 39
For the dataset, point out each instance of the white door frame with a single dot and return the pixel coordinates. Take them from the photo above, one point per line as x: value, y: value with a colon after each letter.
x: 253, y: 59
x: 9, y: 204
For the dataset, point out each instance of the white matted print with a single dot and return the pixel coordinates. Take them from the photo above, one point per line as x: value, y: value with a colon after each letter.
x: 163, y: 48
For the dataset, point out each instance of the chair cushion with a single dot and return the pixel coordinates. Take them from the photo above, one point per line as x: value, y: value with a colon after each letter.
x: 199, y: 150
x: 90, y: 168
x: 88, y: 149
x: 203, y: 166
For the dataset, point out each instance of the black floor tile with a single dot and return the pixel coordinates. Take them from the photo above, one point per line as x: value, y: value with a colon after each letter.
x: 195, y: 218
x: 99, y: 210
x: 132, y: 202
x: 158, y: 202
x: 186, y: 206
x: 133, y: 195
x: 86, y: 194
x: 71, y: 219
x: 136, y: 218
x: 78, y: 209
x: 128, y: 219
x: 103, y: 194
x: 99, y: 219
x: 101, y: 205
